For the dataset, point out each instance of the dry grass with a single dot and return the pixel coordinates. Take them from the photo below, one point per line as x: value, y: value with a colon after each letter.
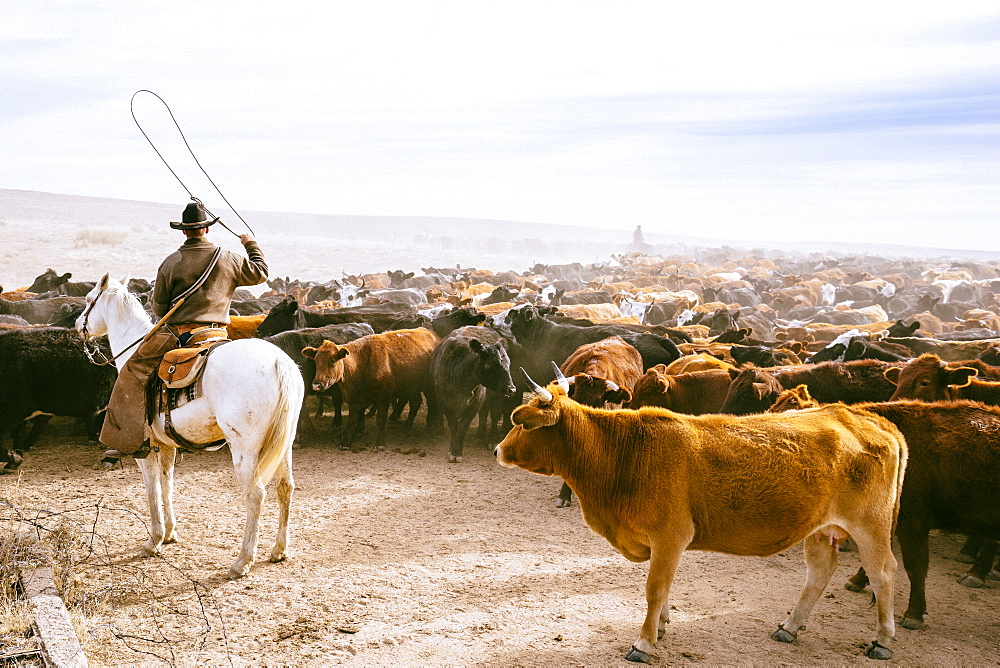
x: 14, y: 617
x: 88, y: 235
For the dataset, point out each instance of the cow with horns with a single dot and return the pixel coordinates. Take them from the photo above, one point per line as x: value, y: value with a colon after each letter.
x: 655, y: 483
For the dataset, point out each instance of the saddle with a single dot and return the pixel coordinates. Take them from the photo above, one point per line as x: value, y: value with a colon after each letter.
x: 182, y: 367
x: 179, y: 376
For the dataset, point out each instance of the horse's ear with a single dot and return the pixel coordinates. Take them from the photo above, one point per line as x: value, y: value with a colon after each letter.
x: 103, y: 283
x: 126, y: 279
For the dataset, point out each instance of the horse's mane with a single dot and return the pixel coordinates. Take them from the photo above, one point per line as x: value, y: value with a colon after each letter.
x: 125, y: 302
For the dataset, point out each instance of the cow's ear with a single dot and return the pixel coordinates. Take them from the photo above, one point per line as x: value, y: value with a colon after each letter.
x: 733, y: 373
x: 760, y: 390
x: 533, y: 417
x: 340, y: 354
x: 914, y: 326
x: 619, y: 396
x: 476, y: 345
x: 961, y: 376
x: 746, y: 331
x: 67, y: 276
x: 781, y: 336
x: 309, y: 352
x: 892, y: 374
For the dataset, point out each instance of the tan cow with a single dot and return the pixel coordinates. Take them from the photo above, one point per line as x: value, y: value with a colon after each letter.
x: 656, y: 483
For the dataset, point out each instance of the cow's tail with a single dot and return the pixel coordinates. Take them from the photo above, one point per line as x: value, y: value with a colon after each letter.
x: 280, y: 431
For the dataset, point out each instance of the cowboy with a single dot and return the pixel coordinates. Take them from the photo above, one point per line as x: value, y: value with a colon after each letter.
x: 124, y: 428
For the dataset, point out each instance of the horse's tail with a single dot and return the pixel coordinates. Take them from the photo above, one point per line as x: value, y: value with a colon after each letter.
x: 280, y: 430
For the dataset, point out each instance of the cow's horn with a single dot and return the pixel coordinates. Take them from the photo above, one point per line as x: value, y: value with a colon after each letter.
x: 561, y: 379
x: 536, y: 388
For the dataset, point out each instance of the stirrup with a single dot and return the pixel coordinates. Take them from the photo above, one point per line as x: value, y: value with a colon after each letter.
x: 143, y: 452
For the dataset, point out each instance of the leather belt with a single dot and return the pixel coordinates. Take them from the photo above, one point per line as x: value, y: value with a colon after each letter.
x: 191, y: 326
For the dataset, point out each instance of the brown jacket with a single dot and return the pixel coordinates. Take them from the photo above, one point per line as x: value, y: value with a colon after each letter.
x: 210, y: 303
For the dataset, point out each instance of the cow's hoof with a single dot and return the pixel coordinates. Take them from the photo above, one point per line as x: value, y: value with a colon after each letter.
x: 379, y: 448
x: 638, y: 656
x: 562, y: 503
x: 876, y: 651
x: 452, y: 459
x: 966, y: 558
x: 912, y: 623
x: 971, y: 581
x: 994, y: 574
x: 345, y: 448
x: 851, y: 585
x: 781, y: 635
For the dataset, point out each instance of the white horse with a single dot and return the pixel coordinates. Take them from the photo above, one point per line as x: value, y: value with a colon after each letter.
x: 251, y: 396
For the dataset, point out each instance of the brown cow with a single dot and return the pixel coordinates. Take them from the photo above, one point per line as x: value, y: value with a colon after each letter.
x: 952, y: 482
x: 610, y: 359
x: 694, y: 393
x: 655, y: 483
x: 754, y: 390
x: 601, y: 375
x: 928, y: 378
x: 376, y: 369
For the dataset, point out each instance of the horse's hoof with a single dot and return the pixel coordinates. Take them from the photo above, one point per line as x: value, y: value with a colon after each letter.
x: 971, y: 581
x: 994, y: 574
x: 345, y: 448
x: 562, y: 503
x: 380, y: 448
x: 638, y: 656
x: 278, y: 558
x: 454, y: 459
x: 876, y: 651
x: 148, y: 551
x: 235, y: 573
x: 851, y: 585
x: 169, y: 540
x: 781, y: 635
x: 912, y: 623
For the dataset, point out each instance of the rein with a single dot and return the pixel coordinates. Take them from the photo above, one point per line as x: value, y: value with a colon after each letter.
x: 90, y: 352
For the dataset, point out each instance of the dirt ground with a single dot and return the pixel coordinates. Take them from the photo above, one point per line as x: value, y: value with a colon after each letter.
x: 399, y: 558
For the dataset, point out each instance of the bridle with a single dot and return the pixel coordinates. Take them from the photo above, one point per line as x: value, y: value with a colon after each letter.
x: 92, y: 351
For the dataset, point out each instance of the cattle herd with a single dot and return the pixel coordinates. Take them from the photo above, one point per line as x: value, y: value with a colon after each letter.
x: 718, y: 401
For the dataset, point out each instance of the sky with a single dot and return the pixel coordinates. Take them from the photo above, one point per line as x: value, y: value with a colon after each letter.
x: 866, y: 121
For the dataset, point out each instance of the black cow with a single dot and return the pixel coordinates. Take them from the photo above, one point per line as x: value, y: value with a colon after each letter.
x: 48, y: 281
x: 45, y: 370
x: 450, y: 320
x: 760, y: 356
x: 467, y: 364
x: 541, y: 342
x: 39, y: 311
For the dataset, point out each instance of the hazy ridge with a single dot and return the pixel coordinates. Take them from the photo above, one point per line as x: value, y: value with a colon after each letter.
x: 90, y: 235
